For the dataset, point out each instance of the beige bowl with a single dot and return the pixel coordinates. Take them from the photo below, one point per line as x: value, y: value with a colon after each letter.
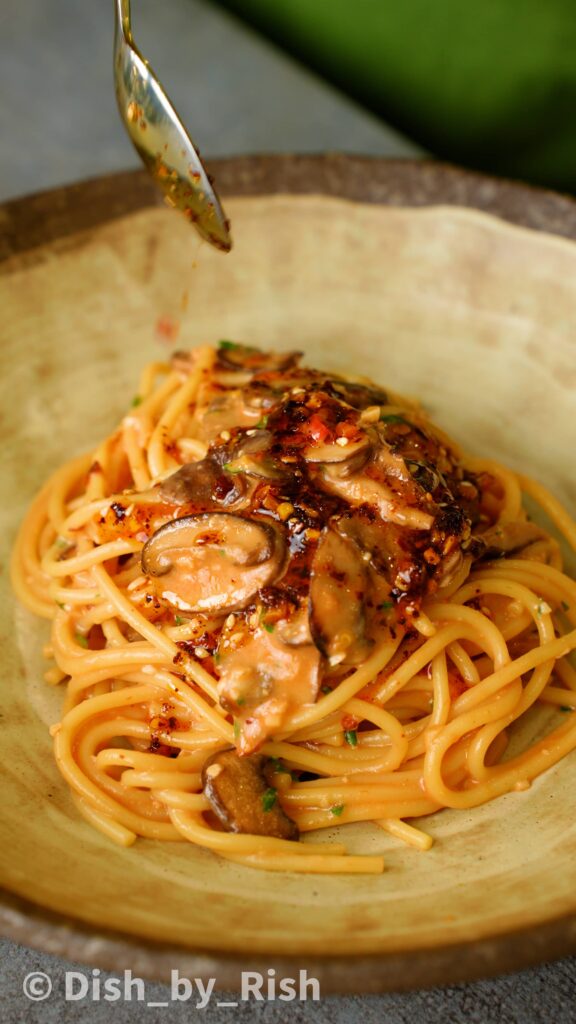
x: 474, y: 315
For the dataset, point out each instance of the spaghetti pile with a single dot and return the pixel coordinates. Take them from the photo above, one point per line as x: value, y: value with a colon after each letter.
x: 282, y: 600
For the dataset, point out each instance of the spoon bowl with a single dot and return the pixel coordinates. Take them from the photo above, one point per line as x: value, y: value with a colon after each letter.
x: 161, y: 139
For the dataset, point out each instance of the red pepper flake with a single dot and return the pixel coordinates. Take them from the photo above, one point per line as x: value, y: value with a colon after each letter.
x: 167, y: 329
x: 317, y: 429
x: 349, y: 723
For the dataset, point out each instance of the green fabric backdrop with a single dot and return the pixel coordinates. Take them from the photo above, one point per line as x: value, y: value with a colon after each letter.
x: 487, y: 83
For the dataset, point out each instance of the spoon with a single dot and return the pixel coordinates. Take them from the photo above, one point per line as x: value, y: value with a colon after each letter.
x: 161, y: 139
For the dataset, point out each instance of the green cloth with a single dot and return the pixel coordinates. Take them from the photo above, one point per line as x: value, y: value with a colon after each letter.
x: 487, y: 83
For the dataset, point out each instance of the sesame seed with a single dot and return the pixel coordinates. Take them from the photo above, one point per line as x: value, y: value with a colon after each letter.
x: 200, y: 652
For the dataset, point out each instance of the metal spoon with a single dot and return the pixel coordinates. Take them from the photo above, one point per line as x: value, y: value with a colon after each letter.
x: 161, y: 139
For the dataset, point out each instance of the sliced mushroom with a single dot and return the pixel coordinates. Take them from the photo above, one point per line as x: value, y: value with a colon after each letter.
x: 507, y: 538
x: 352, y: 454
x: 213, y: 562
x: 251, y: 455
x: 241, y: 797
x: 378, y: 541
x: 338, y: 586
x: 357, y: 394
x: 204, y: 484
x: 360, y: 489
x: 266, y: 673
x: 244, y: 357
x: 225, y: 411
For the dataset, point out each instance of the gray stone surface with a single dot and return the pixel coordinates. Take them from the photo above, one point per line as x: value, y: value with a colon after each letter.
x: 237, y: 94
x: 545, y: 996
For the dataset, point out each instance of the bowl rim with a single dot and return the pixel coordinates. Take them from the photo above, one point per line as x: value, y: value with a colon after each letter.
x: 52, y: 216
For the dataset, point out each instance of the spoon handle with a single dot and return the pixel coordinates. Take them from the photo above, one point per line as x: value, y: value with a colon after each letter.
x: 123, y: 18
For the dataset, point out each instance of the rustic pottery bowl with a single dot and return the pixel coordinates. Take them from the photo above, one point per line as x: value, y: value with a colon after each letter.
x: 442, y: 284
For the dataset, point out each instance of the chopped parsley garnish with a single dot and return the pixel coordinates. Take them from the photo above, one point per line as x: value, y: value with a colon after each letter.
x: 351, y: 737
x: 565, y: 606
x: 262, y: 423
x: 393, y: 417
x: 236, y: 729
x: 241, y: 702
x: 228, y: 344
x: 385, y: 606
x: 60, y: 604
x: 564, y: 708
x: 81, y: 640
x: 137, y: 400
x: 178, y: 620
x: 326, y: 689
x: 277, y: 766
x: 269, y: 798
x: 268, y: 626
x: 229, y: 467
x: 337, y: 810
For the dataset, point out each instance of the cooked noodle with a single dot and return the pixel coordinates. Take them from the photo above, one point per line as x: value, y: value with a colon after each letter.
x: 420, y: 723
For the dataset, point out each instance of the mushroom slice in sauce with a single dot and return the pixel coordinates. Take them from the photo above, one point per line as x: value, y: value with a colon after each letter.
x: 243, y: 357
x: 204, y: 484
x: 350, y: 456
x: 356, y: 394
x: 360, y: 489
x: 226, y: 411
x: 267, y: 675
x: 214, y: 561
x: 236, y: 788
x: 507, y: 538
x: 338, y: 586
x: 251, y: 455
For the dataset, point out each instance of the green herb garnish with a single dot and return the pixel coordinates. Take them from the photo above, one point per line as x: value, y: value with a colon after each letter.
x: 563, y: 708
x: 393, y: 417
x: 229, y: 467
x: 269, y: 798
x: 385, y: 606
x: 268, y: 626
x: 236, y: 729
x: 228, y: 344
x: 326, y: 689
x: 351, y: 737
x: 277, y: 766
x: 137, y: 400
x: 337, y: 810
x: 262, y: 423
x: 241, y: 702
x: 81, y: 640
x: 178, y: 620
x: 565, y: 606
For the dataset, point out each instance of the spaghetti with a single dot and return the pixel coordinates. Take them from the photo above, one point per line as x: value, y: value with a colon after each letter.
x: 282, y: 601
